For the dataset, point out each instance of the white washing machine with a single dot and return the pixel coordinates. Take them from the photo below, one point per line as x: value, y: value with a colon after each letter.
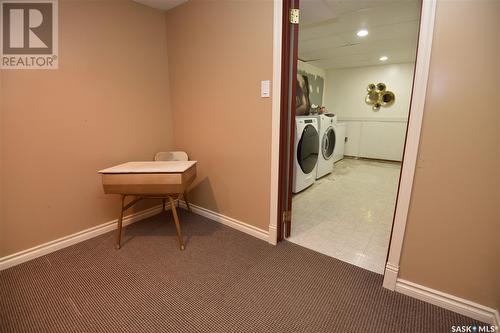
x: 327, y: 139
x: 306, y: 152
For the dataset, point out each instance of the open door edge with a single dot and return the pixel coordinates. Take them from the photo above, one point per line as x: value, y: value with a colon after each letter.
x: 287, y: 119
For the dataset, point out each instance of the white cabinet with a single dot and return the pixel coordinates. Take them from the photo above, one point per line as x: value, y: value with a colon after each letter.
x: 338, y: 152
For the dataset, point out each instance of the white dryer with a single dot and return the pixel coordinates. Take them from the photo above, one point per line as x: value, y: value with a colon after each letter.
x: 328, y: 139
x: 306, y: 152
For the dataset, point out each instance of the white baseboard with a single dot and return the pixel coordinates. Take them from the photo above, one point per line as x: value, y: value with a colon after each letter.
x: 449, y: 302
x: 273, y: 235
x: 229, y: 221
x: 390, y: 276
x: 40, y: 250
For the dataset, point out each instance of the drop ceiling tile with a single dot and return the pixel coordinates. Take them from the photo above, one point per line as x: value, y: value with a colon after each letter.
x: 328, y: 32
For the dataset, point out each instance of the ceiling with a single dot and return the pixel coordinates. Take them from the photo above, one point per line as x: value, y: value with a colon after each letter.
x: 161, y: 4
x: 327, y: 32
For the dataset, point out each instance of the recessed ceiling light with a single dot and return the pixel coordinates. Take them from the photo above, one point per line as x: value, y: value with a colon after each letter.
x: 384, y: 58
x: 362, y: 33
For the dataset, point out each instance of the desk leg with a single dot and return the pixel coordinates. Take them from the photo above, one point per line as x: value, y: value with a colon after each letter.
x: 187, y: 201
x: 119, y: 230
x: 176, y: 220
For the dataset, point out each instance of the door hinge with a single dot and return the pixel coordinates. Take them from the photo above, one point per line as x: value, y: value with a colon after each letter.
x: 286, y: 216
x: 294, y: 15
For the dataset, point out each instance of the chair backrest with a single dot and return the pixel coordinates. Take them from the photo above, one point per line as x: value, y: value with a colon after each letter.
x: 171, y: 156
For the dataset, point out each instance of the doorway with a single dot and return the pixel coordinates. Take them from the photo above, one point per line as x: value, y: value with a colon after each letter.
x: 353, y: 74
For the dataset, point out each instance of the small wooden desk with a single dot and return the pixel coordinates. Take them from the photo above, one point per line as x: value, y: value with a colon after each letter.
x: 159, y: 179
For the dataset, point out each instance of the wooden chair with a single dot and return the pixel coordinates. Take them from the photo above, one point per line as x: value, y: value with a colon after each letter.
x: 173, y: 156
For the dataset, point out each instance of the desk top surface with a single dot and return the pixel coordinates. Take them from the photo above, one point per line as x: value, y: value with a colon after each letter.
x: 150, y: 167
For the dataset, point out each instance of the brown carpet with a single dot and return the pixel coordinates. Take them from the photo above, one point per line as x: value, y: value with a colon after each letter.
x: 225, y: 281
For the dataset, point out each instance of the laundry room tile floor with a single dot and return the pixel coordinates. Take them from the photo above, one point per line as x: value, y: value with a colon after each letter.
x: 348, y: 214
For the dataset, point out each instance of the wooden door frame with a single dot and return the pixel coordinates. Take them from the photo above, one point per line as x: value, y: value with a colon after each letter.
x: 281, y: 142
x: 287, y: 118
x: 417, y: 105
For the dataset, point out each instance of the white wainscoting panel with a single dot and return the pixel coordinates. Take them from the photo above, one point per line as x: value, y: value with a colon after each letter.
x: 353, y: 134
x: 375, y: 138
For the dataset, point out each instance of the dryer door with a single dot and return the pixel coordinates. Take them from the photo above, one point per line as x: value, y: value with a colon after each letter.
x: 308, y: 149
x: 328, y: 143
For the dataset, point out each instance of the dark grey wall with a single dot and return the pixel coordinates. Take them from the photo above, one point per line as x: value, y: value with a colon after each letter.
x: 316, y: 86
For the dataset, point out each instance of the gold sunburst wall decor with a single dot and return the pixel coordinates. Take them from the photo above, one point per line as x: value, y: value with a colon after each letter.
x: 378, y: 96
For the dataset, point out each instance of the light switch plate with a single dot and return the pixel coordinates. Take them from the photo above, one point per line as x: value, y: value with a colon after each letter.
x: 265, y: 88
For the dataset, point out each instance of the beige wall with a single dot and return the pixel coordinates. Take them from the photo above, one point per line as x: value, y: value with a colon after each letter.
x: 218, y: 54
x: 108, y: 103
x: 452, y: 238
